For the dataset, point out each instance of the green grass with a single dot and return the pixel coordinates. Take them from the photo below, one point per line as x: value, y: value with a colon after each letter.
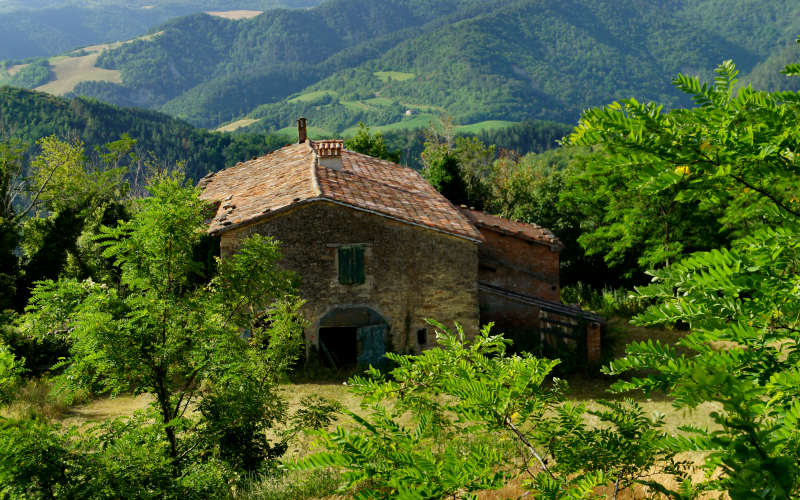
x: 424, y: 107
x: 379, y: 101
x: 422, y: 120
x: 313, y: 96
x: 476, y: 128
x: 356, y: 105
x: 314, y: 133
x: 384, y: 76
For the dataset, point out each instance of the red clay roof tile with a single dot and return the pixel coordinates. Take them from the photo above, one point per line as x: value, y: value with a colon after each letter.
x: 251, y: 190
x: 523, y: 230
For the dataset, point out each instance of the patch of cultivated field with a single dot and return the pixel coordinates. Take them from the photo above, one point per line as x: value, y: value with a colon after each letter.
x: 356, y: 105
x: 230, y: 127
x: 379, y: 101
x: 313, y: 96
x: 70, y: 71
x: 399, y: 76
x: 235, y: 14
x: 422, y: 120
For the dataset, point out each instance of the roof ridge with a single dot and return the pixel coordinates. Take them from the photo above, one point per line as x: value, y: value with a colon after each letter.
x: 314, y: 165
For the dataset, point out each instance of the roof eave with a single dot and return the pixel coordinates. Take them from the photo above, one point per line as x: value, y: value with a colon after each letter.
x: 270, y: 213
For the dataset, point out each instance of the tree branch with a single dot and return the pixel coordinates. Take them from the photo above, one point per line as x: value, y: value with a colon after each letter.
x: 767, y: 195
x: 527, y: 444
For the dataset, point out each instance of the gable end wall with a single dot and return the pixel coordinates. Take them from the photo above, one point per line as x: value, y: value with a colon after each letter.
x: 412, y: 273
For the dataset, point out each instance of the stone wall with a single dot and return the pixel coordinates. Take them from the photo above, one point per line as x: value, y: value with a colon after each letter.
x: 412, y: 273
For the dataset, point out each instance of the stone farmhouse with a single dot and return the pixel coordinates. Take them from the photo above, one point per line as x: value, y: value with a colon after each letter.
x: 378, y: 251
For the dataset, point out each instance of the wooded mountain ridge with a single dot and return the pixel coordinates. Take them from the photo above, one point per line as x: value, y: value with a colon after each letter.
x: 44, y: 28
x: 400, y: 63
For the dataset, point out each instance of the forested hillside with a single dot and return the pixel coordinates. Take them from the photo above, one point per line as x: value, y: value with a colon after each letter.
x: 29, y: 116
x: 50, y: 27
x: 400, y: 63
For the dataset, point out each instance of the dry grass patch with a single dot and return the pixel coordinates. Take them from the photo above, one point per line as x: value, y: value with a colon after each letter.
x: 70, y: 71
x: 230, y: 127
x: 235, y: 14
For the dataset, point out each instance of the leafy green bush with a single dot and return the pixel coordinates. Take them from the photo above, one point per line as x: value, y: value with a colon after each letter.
x: 10, y: 372
x: 478, y: 418
x: 608, y: 302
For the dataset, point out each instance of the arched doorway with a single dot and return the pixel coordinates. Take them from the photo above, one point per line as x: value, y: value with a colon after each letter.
x: 350, y: 336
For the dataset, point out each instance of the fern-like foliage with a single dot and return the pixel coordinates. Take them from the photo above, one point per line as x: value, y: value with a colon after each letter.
x: 479, y: 418
x: 734, y: 156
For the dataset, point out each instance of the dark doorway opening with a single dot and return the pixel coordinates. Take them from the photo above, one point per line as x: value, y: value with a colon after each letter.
x: 350, y: 336
x: 339, y: 346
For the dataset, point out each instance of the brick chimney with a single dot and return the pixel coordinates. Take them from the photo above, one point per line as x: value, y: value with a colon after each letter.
x: 302, y: 132
x: 329, y: 153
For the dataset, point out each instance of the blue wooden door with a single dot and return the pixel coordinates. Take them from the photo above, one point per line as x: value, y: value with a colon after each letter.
x: 372, y: 342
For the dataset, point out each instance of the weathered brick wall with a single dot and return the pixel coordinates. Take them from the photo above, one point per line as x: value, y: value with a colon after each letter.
x: 412, y: 273
x: 519, y: 265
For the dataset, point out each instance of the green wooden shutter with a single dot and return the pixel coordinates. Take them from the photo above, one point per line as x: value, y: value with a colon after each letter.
x: 351, y: 265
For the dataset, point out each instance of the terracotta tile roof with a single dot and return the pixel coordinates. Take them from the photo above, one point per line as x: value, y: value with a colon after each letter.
x: 526, y: 231
x: 252, y: 190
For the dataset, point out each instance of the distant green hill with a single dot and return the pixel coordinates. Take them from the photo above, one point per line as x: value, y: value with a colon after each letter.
x: 28, y: 116
x: 398, y: 64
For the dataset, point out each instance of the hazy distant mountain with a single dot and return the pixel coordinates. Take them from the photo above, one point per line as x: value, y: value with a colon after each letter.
x: 36, y: 28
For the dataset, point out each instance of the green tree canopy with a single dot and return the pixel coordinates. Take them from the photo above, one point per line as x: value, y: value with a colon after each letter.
x: 733, y: 157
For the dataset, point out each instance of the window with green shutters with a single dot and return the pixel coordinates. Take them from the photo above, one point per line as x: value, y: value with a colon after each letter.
x: 351, y: 265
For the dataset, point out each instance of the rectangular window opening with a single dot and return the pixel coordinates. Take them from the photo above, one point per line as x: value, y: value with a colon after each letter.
x: 351, y: 265
x: 422, y: 336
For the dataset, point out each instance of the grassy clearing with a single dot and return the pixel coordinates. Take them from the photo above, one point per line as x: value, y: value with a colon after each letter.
x: 379, y: 101
x: 323, y: 483
x: 423, y: 107
x: 235, y: 15
x: 386, y: 76
x: 230, y: 127
x: 477, y: 128
x: 70, y: 71
x: 313, y: 96
x: 356, y: 105
x: 422, y: 120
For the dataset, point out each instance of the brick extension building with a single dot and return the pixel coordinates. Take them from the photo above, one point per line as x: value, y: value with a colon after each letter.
x: 378, y: 250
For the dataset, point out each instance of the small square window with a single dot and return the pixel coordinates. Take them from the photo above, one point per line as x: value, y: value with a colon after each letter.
x: 351, y: 265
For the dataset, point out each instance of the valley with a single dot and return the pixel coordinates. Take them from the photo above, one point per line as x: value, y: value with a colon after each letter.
x: 381, y: 63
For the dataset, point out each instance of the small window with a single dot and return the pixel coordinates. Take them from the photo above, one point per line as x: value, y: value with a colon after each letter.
x: 422, y: 336
x: 351, y: 265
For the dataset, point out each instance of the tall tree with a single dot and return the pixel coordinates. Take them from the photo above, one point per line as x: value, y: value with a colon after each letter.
x: 166, y: 330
